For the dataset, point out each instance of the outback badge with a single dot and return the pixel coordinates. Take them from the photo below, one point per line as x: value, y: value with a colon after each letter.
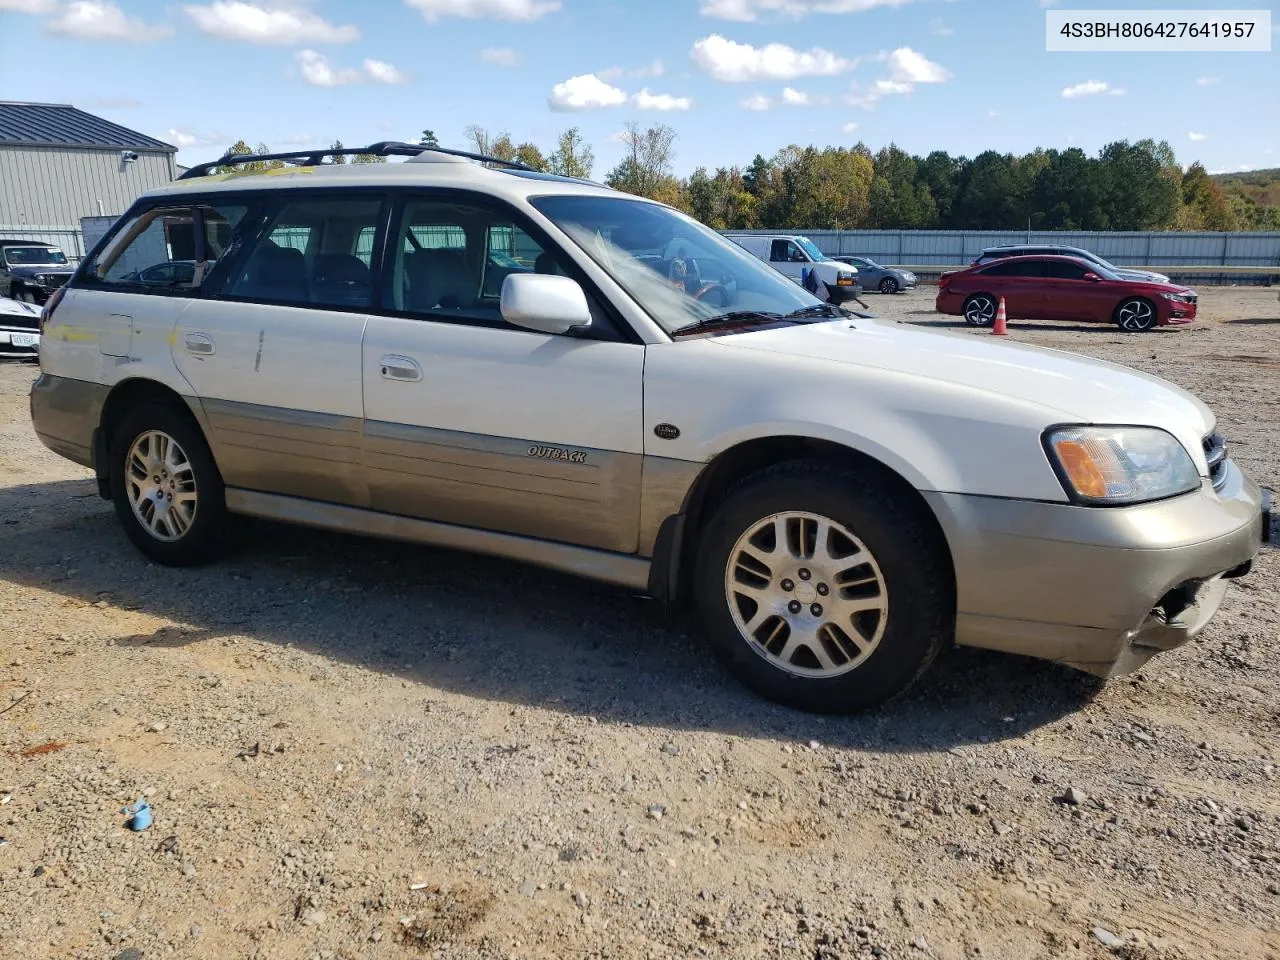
x: 558, y: 453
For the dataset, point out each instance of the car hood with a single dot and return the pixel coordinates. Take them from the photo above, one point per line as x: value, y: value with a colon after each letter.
x: 1068, y: 388
x: 32, y: 269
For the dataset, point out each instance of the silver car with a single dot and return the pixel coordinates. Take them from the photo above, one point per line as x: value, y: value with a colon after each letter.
x: 873, y: 276
x: 1043, y: 250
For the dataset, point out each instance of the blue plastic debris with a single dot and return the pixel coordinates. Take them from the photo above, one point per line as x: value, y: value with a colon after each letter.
x: 139, y: 815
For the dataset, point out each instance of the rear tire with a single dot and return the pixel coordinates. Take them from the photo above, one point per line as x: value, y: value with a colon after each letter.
x: 855, y: 595
x: 166, y: 488
x: 1135, y: 315
x: 980, y: 310
x: 888, y: 285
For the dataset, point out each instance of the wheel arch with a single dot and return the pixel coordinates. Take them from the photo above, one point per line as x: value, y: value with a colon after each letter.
x: 677, y: 545
x: 124, y: 396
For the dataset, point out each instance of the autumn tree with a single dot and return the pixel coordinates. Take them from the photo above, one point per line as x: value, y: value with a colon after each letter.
x: 571, y: 157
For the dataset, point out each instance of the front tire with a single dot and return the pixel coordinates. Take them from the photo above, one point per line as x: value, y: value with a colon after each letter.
x: 980, y: 310
x: 166, y: 488
x: 888, y: 285
x: 1135, y: 315
x: 822, y: 587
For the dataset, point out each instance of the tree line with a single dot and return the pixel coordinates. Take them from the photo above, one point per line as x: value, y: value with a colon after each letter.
x: 1125, y: 186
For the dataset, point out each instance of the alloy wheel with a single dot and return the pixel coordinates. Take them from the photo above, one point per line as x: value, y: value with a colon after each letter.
x: 806, y: 594
x: 1136, y: 316
x: 161, y: 486
x: 888, y: 285
x: 980, y: 311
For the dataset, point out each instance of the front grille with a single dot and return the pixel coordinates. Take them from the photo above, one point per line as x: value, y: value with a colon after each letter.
x: 1215, y: 451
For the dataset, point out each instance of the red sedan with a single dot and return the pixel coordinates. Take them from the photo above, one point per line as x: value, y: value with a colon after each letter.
x: 1061, y: 288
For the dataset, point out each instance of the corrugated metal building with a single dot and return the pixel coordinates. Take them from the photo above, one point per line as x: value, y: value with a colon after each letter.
x: 58, y: 164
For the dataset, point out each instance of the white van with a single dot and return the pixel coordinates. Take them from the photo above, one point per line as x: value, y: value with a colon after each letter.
x: 800, y: 259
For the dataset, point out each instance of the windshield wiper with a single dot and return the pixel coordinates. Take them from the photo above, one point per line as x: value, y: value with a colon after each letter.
x: 734, y: 318
x: 817, y: 310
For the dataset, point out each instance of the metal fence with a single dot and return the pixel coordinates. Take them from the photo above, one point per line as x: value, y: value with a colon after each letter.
x: 954, y: 247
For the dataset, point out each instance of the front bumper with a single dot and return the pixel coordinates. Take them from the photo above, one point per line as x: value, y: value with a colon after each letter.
x: 18, y: 341
x: 1099, y: 589
x: 839, y: 295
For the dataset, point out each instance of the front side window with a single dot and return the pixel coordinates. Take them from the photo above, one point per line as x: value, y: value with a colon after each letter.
x: 811, y: 250
x: 1065, y: 270
x: 453, y: 257
x: 678, y: 270
x: 310, y: 254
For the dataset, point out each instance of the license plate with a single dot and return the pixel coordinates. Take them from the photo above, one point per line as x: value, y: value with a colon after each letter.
x: 25, y: 339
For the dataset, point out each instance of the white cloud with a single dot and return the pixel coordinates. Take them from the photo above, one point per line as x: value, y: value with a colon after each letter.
x: 319, y: 72
x: 1048, y: 3
x: 747, y: 11
x: 655, y: 69
x: 644, y: 100
x: 734, y: 62
x: 939, y: 28
x: 908, y: 66
x: 381, y: 72
x: 256, y: 23
x: 1207, y: 81
x: 103, y: 20
x: 757, y: 102
x: 500, y: 56
x: 518, y: 10
x: 186, y: 137
x: 585, y: 92
x: 1196, y: 136
x: 35, y: 7
x: 795, y: 98
x: 848, y: 127
x: 1116, y: 92
x: 993, y: 113
x: 610, y: 74
x: 1087, y: 89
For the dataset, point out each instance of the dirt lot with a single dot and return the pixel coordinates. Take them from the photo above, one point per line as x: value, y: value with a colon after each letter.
x: 357, y: 749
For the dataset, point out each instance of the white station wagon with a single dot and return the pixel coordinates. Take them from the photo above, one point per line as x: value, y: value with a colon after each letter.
x: 523, y: 365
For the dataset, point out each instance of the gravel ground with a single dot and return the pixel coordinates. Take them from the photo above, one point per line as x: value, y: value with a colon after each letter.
x: 358, y: 749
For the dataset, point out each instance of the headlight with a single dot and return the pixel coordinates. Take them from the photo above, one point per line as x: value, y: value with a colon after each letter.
x: 1179, y: 297
x: 1112, y: 465
x: 40, y: 278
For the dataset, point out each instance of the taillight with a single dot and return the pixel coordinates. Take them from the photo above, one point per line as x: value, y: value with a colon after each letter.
x: 50, y: 305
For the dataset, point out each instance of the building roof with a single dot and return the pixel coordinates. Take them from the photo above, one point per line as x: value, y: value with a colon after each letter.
x: 62, y: 125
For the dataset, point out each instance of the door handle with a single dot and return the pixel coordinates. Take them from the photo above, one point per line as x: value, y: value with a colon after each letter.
x: 200, y: 344
x: 395, y: 367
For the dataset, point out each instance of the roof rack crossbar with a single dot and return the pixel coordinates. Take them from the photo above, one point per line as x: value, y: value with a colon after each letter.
x: 384, y: 148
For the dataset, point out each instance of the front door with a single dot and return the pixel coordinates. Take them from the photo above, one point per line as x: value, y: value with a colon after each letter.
x: 275, y: 360
x: 471, y: 421
x: 1069, y: 296
x: 786, y: 257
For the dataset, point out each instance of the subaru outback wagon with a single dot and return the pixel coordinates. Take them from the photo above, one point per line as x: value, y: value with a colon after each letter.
x: 488, y: 358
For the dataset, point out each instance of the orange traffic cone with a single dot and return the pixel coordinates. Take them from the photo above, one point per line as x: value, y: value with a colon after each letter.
x: 1001, y: 326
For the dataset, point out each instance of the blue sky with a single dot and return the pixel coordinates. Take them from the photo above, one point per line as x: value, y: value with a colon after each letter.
x: 732, y: 77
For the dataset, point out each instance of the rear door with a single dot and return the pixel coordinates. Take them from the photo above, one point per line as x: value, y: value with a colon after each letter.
x: 1020, y: 282
x: 275, y: 357
x: 471, y: 421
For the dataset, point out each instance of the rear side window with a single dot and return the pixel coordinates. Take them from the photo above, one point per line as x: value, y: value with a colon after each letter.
x: 1019, y: 268
x: 314, y: 253
x: 170, y: 249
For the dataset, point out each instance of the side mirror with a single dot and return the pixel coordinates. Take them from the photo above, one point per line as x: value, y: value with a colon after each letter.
x: 545, y: 303
x: 1092, y: 277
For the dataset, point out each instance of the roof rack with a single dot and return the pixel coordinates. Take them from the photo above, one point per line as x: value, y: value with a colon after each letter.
x: 313, y: 158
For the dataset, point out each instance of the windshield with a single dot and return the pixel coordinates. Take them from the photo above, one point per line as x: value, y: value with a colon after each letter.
x: 809, y: 247
x: 679, y: 271
x: 33, y: 255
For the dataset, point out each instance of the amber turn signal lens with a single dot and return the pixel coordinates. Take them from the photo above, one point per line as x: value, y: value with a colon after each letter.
x: 1081, y: 469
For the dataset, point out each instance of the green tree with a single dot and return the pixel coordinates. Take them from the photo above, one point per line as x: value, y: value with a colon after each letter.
x: 646, y: 169
x: 500, y: 147
x: 1205, y: 205
x: 531, y: 156
x: 337, y: 145
x: 572, y: 157
x: 428, y: 139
